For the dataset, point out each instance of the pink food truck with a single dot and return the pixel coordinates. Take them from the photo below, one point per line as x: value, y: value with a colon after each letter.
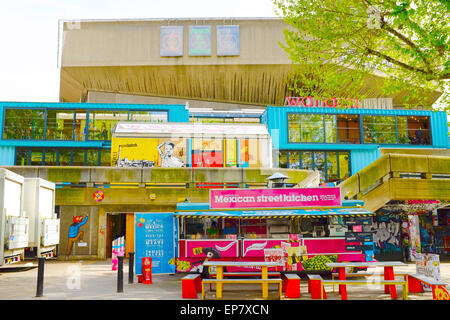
x: 273, y: 225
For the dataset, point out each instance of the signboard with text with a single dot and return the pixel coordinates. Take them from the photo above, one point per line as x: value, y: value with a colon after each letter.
x: 275, y: 198
x: 155, y: 237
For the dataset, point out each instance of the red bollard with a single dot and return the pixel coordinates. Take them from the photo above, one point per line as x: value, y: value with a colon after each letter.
x: 146, y: 276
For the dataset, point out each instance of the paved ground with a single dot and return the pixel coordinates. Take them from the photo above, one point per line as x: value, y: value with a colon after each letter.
x: 94, y: 280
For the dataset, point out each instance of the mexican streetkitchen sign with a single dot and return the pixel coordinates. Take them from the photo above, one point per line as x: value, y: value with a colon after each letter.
x: 275, y: 198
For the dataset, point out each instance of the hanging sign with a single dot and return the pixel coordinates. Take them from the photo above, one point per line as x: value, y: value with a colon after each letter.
x: 199, y: 40
x: 171, y: 42
x: 274, y: 198
x: 228, y: 40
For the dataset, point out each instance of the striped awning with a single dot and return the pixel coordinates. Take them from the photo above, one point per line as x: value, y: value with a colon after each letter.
x: 274, y: 214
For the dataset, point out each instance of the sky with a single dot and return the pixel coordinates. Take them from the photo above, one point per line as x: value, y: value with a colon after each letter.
x: 29, y: 34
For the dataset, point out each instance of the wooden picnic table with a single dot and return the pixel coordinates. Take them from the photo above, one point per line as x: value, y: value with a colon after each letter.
x: 388, y: 273
x: 221, y: 264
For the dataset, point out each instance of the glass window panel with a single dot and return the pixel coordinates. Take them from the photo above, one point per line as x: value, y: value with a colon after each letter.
x: 36, y: 157
x: 311, y: 128
x: 319, y: 164
x: 344, y: 165
x: 330, y: 128
x: 402, y: 130
x: 101, y: 123
x: 21, y: 157
x: 282, y: 156
x: 419, y: 130
x: 64, y: 157
x: 24, y: 124
x: 332, y: 167
x: 148, y: 116
x: 80, y: 125
x: 294, y: 127
x: 50, y: 157
x: 348, y: 128
x: 307, y: 160
x: 59, y: 124
x: 92, y: 157
x: 78, y: 157
x: 105, y: 157
x: 294, y: 160
x: 379, y: 129
x: 368, y: 129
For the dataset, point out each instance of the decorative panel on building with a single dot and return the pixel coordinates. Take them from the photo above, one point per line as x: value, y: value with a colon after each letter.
x: 228, y: 40
x: 199, y: 40
x: 171, y: 42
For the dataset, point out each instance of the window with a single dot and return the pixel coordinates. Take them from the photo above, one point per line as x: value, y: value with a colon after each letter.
x: 419, y: 130
x: 65, y: 156
x: 60, y: 124
x: 78, y: 157
x: 332, y: 165
x: 24, y: 124
x: 92, y: 157
x: 379, y: 129
x: 101, y: 123
x: 21, y: 157
x: 148, y: 116
x: 306, y: 128
x: 51, y: 157
x: 80, y: 125
x: 37, y: 157
x: 348, y: 129
x: 105, y: 157
x: 402, y: 130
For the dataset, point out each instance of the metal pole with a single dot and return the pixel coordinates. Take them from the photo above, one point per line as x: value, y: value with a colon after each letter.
x: 40, y: 278
x: 120, y: 274
x: 130, y: 267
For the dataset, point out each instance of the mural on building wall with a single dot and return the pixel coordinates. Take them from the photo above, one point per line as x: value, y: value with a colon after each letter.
x: 387, y: 232
x: 75, y: 234
x: 426, y: 232
x: 150, y: 152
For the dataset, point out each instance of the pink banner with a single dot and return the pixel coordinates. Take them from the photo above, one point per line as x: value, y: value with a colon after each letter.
x: 275, y: 198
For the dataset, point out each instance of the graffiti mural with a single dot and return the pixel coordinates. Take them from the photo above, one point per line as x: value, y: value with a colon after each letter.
x: 387, y: 233
x: 75, y: 234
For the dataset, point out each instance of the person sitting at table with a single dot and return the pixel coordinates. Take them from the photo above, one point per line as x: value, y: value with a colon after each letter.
x: 229, y: 228
x: 213, y: 231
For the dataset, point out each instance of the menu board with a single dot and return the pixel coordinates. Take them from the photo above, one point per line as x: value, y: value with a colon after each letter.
x: 155, y: 237
x: 359, y: 236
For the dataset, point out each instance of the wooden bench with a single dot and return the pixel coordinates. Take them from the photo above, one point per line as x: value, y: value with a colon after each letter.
x: 216, y: 281
x: 437, y: 287
x: 291, y: 285
x: 366, y: 274
x: 365, y: 282
x: 315, y: 286
x: 190, y: 285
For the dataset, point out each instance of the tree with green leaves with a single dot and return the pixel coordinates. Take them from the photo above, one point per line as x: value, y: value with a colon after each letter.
x: 343, y: 47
